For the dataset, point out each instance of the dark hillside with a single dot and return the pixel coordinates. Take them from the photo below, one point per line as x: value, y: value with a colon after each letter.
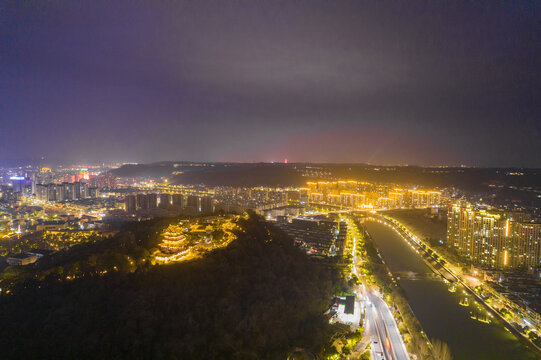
x: 258, y: 298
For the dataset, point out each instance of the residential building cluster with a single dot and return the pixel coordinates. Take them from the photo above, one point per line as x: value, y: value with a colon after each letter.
x: 353, y: 195
x: 238, y: 199
x: 54, y: 185
x: 317, y: 235
x: 363, y: 195
x: 494, y: 238
x: 66, y: 191
x: 188, y: 204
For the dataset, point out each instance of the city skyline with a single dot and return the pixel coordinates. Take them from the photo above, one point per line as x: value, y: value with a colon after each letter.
x: 480, y: 250
x: 383, y: 83
x: 278, y: 179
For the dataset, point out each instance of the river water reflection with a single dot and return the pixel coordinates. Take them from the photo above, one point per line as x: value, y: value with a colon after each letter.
x: 438, y: 309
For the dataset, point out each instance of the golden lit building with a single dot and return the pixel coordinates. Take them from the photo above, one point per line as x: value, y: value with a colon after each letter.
x: 316, y: 197
x: 422, y: 198
x: 304, y: 195
x: 384, y: 203
x: 527, y: 249
x: 347, y: 199
x: 333, y: 199
x: 493, y: 238
x: 397, y: 198
x: 361, y: 195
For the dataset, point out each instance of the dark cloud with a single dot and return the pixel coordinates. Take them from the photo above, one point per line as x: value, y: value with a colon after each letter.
x: 449, y: 82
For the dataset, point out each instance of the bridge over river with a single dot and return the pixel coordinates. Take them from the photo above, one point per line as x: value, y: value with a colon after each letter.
x: 411, y: 275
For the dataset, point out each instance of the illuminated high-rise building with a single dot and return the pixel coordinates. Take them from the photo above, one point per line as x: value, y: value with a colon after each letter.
x: 81, y: 190
x: 207, y: 205
x: 397, y: 198
x: 93, y: 192
x: 165, y: 201
x: 422, y: 198
x: 61, y: 192
x: 17, y: 183
x: 83, y: 175
x: 104, y: 180
x: 333, y: 199
x: 51, y: 192
x: 41, y: 192
x: 147, y: 201
x: 527, y: 248
x: 293, y: 196
x: 152, y: 201
x: 178, y: 201
x: 141, y: 201
x: 131, y: 203
x: 193, y: 204
x: 72, y: 191
x: 304, y: 195
x: 493, y: 238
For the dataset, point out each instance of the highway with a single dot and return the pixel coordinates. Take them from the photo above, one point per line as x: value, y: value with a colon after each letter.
x: 380, y: 325
x: 371, y: 331
x: 386, y: 341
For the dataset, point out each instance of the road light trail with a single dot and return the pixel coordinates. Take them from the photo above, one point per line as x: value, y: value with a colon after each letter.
x: 376, y: 347
x: 397, y: 345
x: 381, y: 328
x: 387, y: 343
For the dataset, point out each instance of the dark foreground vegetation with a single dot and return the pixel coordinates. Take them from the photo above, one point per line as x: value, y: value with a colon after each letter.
x: 259, y: 298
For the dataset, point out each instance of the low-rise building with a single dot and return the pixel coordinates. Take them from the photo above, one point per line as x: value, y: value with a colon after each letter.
x: 21, y: 259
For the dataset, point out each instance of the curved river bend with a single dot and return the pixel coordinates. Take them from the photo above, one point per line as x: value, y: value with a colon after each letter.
x: 438, y: 309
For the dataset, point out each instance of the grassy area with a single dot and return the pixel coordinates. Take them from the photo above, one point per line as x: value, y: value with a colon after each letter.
x: 418, y: 222
x: 432, y: 231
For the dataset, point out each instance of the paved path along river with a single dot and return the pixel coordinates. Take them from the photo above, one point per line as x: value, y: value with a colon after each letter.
x: 439, y: 311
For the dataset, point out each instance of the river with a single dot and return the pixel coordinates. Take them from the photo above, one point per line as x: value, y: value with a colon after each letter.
x: 438, y: 309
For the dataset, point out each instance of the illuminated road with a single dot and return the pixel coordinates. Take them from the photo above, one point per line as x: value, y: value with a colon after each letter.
x: 380, y: 326
x: 376, y: 349
x: 381, y: 323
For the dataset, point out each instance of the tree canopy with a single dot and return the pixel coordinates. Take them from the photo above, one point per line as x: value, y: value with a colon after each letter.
x: 259, y: 298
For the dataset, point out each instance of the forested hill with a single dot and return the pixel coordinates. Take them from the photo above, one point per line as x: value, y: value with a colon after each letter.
x: 259, y: 298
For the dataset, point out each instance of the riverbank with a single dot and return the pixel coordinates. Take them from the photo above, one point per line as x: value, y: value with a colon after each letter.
x: 440, y: 265
x: 438, y: 309
x: 379, y: 275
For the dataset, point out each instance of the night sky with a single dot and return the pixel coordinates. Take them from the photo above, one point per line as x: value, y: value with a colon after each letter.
x: 384, y: 82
